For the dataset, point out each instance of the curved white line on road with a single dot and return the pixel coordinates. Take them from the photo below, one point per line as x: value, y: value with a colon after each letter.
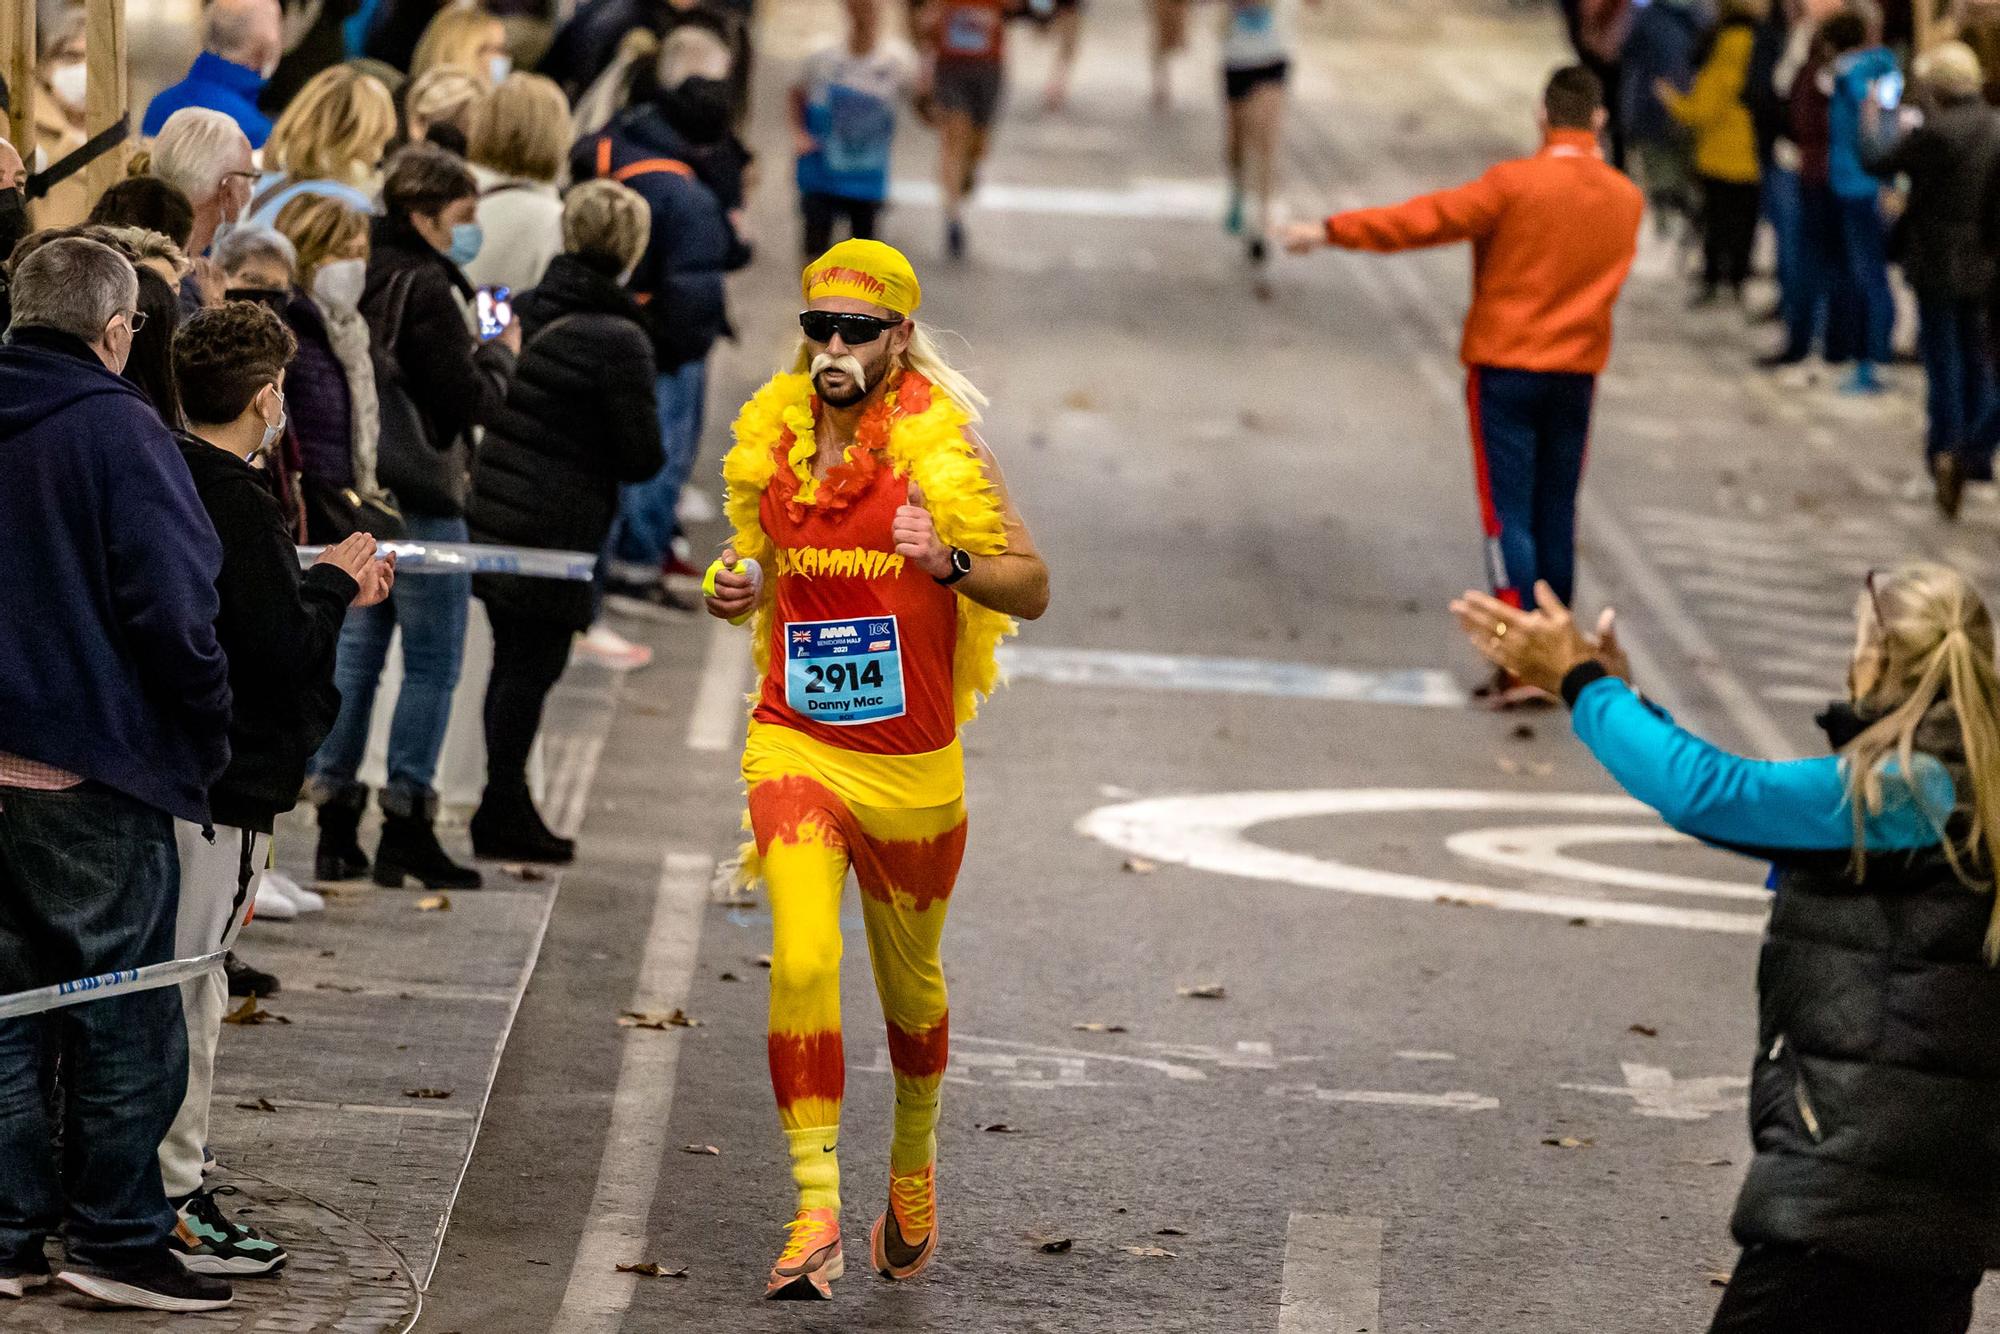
x: 1538, y: 850
x: 1207, y: 833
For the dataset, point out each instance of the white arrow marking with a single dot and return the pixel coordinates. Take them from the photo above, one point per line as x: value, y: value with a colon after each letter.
x: 1655, y: 1092
x: 1453, y: 1102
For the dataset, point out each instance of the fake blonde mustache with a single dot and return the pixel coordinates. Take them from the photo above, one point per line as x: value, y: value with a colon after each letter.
x: 826, y: 361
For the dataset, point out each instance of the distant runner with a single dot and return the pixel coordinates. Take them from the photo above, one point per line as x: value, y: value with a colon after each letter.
x: 1256, y: 59
x: 965, y: 49
x: 883, y: 562
x: 844, y: 122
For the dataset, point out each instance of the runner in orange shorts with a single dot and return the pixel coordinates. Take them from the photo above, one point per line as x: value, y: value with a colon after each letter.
x: 882, y: 563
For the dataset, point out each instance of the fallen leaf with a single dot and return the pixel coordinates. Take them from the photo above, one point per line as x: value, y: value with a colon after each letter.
x: 335, y: 986
x: 1077, y: 400
x: 528, y: 874
x: 327, y: 954
x: 1569, y: 1142
x: 1523, y: 732
x: 427, y: 1093
x: 730, y: 977
x: 1718, y: 1279
x: 1099, y: 1028
x: 1453, y: 901
x: 1206, y: 991
x: 1000, y: 1128
x: 364, y: 1181
x: 249, y: 1012
x: 1139, y: 866
x: 1644, y: 1030
x: 647, y: 1268
x: 1149, y: 1252
x: 701, y: 1148
x: 434, y: 903
x: 762, y: 961
x: 1579, y: 921
x: 260, y: 1105
x: 1053, y: 1245
x: 1170, y: 1232
x: 654, y: 1019
x: 543, y: 1263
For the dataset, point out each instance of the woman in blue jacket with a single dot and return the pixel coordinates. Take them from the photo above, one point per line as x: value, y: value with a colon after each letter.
x: 1873, y: 1200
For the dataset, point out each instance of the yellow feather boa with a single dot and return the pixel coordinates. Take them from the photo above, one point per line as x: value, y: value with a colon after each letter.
x: 928, y: 447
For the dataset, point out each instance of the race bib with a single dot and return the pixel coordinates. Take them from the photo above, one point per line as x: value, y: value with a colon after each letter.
x: 844, y: 672
x: 969, y: 31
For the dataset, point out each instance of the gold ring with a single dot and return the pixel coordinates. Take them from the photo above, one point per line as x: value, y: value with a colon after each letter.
x: 1500, y: 631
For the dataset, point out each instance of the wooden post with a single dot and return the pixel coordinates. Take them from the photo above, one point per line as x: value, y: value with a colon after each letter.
x: 106, y: 92
x: 17, y: 64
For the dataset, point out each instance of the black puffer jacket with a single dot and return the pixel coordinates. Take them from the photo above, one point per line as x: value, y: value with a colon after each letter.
x: 579, y: 419
x: 1953, y: 161
x: 1875, y: 1098
x: 278, y: 629
x: 456, y: 381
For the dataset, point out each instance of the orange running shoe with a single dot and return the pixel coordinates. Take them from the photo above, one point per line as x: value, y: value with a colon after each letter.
x: 905, y: 1237
x: 811, y: 1260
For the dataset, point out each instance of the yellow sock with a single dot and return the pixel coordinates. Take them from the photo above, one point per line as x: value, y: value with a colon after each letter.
x: 913, y: 1143
x: 816, y: 1166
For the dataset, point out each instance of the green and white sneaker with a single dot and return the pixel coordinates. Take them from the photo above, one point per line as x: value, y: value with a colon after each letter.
x: 205, y: 1242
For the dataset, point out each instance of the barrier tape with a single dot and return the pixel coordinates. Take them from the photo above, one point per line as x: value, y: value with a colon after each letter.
x: 479, y: 558
x: 124, y: 982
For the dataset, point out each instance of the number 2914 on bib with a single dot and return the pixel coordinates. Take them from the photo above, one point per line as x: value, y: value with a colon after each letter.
x: 844, y: 672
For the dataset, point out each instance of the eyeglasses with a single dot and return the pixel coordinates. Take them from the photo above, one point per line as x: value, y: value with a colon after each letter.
x: 249, y: 176
x: 854, y: 330
x: 135, y: 320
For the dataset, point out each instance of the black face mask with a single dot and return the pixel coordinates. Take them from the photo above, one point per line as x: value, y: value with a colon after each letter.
x: 699, y: 108
x: 13, y: 221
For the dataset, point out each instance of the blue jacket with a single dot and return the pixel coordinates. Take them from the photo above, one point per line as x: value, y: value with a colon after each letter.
x: 1852, y: 75
x: 109, y: 665
x: 1763, y: 807
x: 220, y: 85
x: 679, y: 280
x: 1663, y: 43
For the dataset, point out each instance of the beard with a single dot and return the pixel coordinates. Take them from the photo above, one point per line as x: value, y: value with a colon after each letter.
x: 857, y: 377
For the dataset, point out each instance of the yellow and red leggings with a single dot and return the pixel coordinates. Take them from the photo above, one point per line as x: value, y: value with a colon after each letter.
x: 905, y: 859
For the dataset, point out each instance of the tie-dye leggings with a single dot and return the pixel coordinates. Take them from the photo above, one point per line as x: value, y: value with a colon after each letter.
x: 905, y: 861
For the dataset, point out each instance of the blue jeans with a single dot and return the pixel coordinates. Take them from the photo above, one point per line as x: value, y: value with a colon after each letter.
x: 1951, y: 335
x: 1784, y: 209
x: 646, y: 524
x: 432, y: 611
x: 89, y: 883
x: 1864, y: 260
x: 1530, y: 431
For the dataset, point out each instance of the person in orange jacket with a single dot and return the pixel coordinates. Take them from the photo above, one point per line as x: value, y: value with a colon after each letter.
x: 1553, y: 238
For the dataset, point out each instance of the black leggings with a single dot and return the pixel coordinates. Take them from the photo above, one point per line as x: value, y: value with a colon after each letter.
x: 1728, y: 231
x: 1798, y: 1290
x: 529, y: 654
x: 820, y: 211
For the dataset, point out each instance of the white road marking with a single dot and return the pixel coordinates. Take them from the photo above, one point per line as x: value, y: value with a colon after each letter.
x: 1229, y: 676
x: 569, y: 815
x: 1537, y: 850
x: 1716, y: 591
x: 1656, y: 1093
x: 1333, y: 1275
x: 1796, y: 694
x: 1207, y: 833
x: 1425, y: 1056
x: 715, y: 721
x: 1451, y: 1102
x: 1171, y: 1069
x: 1143, y: 198
x: 628, y: 1173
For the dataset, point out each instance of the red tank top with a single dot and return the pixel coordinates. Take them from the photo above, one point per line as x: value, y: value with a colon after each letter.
x: 862, y: 642
x: 973, y: 31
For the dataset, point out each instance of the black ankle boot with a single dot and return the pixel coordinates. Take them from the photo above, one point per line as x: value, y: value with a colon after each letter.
x: 508, y: 828
x: 340, y: 856
x: 410, y: 848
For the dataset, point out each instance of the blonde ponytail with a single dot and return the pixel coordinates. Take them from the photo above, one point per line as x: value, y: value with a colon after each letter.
x: 1935, y: 641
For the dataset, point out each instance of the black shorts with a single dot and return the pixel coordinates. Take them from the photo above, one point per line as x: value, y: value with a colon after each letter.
x: 1238, y: 84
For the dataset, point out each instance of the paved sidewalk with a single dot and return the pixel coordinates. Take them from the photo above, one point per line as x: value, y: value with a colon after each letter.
x: 346, y: 1115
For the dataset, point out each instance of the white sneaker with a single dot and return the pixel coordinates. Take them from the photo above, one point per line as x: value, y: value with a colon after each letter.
x: 272, y: 905
x: 606, y: 647
x: 696, y: 506
x: 305, y: 900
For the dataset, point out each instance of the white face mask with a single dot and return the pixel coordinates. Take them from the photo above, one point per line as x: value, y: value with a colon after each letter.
x: 498, y: 68
x: 338, y: 284
x: 67, y: 81
x: 274, y: 430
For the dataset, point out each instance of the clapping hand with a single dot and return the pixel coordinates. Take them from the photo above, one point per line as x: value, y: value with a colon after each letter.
x: 355, y: 557
x: 1543, y: 646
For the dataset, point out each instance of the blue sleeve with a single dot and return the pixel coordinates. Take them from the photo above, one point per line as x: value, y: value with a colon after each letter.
x: 1711, y: 794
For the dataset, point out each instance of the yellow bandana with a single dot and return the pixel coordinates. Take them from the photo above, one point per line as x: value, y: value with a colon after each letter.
x: 868, y: 271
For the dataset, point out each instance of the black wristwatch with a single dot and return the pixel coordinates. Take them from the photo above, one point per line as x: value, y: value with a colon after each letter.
x: 961, y: 565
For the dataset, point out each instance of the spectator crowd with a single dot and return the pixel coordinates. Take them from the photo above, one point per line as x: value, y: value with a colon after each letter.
x: 364, y: 282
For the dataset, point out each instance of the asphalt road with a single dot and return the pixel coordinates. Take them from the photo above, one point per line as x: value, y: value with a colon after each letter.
x: 1464, y: 1087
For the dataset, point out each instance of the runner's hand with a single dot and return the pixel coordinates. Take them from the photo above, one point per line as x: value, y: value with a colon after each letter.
x: 917, y: 539
x: 1301, y: 238
x: 735, y: 594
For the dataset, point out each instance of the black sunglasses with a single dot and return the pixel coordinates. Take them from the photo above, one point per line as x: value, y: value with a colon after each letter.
x: 854, y: 330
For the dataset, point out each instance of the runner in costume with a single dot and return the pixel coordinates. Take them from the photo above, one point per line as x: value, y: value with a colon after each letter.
x: 878, y: 556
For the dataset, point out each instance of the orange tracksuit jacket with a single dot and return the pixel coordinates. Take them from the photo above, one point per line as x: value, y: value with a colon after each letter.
x: 1553, y: 237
